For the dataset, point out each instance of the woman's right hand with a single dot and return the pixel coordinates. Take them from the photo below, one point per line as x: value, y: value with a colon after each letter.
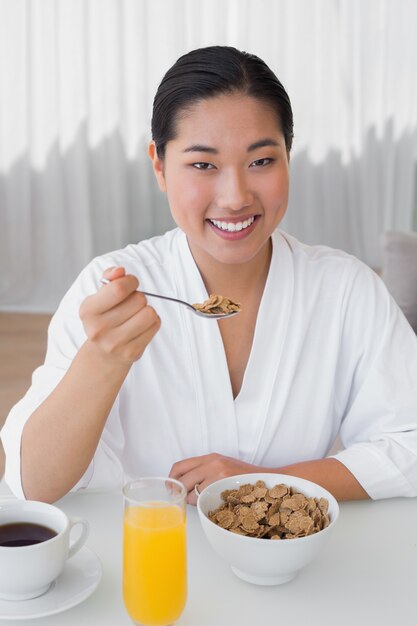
x: 118, y: 320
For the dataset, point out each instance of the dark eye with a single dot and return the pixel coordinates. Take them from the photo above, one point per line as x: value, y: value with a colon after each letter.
x: 203, y: 166
x: 261, y: 162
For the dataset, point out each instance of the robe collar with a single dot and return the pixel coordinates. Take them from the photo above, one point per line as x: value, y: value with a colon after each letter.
x: 218, y: 412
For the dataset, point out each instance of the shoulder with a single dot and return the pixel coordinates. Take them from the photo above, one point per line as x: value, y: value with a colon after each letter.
x: 317, y: 258
x: 147, y: 256
x: 337, y: 278
x: 154, y: 251
x: 147, y: 260
x: 322, y: 264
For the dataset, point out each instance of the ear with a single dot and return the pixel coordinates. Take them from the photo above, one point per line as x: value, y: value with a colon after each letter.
x: 158, y: 166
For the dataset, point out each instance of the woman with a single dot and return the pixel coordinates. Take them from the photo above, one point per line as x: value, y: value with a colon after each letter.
x: 133, y: 388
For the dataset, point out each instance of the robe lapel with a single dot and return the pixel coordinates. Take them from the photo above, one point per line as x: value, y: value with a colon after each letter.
x: 209, y: 375
x: 219, y: 417
x: 261, y: 375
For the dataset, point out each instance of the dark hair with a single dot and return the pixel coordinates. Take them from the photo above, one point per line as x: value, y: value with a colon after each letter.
x: 209, y: 72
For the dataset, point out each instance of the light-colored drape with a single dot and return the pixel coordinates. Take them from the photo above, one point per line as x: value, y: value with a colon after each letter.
x: 77, y: 79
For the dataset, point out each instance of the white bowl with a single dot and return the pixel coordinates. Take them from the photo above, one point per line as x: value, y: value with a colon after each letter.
x: 263, y: 561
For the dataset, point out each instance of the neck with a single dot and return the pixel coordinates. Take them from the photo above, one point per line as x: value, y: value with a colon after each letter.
x: 234, y: 280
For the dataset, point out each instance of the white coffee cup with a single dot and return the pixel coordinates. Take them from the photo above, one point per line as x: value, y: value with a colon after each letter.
x: 28, y: 571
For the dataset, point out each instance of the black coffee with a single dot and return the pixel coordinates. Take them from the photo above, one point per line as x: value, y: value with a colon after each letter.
x: 24, y: 534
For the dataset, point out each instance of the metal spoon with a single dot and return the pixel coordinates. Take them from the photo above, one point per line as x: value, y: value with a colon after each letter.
x: 212, y: 316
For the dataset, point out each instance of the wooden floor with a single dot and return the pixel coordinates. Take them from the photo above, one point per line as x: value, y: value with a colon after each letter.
x: 22, y: 349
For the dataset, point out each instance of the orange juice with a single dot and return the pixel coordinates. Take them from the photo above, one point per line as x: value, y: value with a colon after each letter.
x: 154, y: 563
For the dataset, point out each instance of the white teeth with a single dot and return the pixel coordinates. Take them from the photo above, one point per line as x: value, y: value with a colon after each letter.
x: 231, y: 227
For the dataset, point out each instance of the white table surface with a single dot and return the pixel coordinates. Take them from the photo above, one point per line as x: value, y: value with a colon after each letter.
x: 366, y: 575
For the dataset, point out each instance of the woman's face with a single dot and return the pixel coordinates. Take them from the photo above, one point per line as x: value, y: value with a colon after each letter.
x: 226, y: 177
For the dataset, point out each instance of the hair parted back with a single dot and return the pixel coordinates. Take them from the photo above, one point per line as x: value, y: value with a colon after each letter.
x: 212, y: 71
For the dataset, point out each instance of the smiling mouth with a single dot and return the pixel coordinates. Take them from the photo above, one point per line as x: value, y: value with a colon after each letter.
x: 233, y: 227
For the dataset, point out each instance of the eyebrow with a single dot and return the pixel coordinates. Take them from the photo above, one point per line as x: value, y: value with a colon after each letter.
x: 262, y: 143
x: 253, y: 146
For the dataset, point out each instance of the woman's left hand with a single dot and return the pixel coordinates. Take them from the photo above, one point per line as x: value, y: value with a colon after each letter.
x: 203, y: 470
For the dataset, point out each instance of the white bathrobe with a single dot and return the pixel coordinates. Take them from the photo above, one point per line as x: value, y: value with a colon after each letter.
x: 331, y: 352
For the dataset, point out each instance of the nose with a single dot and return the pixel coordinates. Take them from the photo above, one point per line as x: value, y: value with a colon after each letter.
x: 234, y: 193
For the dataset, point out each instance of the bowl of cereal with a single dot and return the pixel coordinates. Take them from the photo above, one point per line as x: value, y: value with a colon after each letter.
x: 267, y: 527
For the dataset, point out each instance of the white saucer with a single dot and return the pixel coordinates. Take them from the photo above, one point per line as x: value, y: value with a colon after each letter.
x: 79, y: 578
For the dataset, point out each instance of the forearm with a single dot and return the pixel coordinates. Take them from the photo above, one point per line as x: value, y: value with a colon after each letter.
x: 330, y: 474
x: 60, y: 438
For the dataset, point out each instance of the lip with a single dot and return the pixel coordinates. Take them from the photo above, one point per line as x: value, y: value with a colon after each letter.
x: 237, y: 235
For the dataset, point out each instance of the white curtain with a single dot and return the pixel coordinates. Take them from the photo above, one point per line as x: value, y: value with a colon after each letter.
x: 77, y: 80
